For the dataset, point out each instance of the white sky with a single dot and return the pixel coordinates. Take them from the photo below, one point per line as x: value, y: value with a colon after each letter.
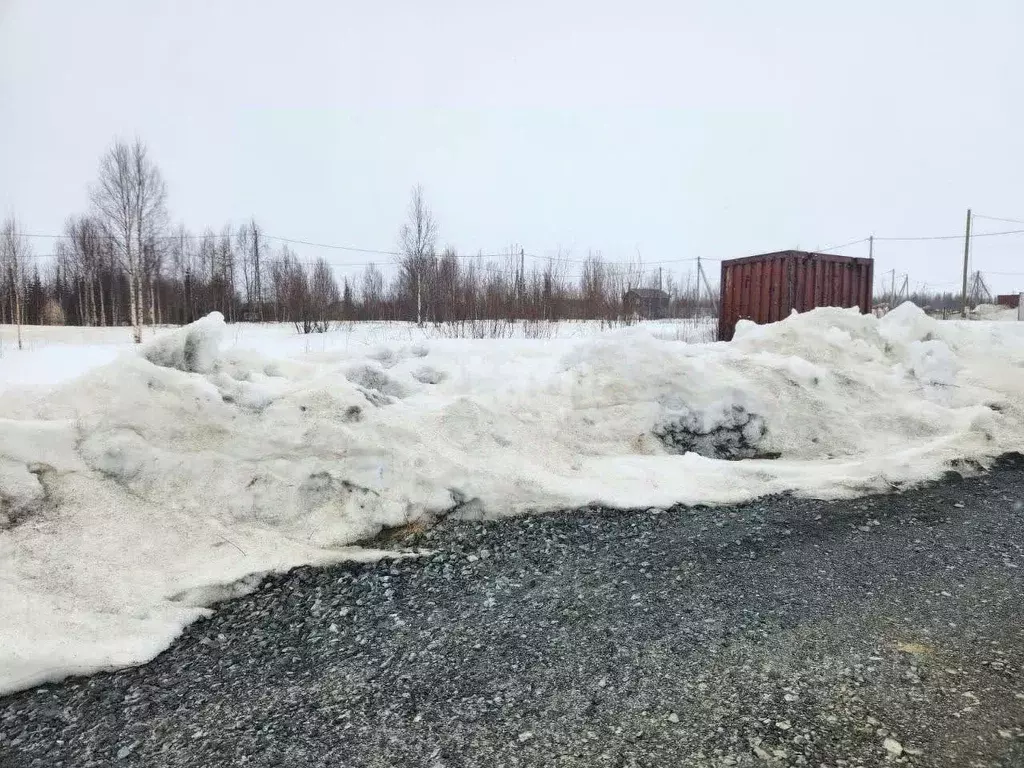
x: 675, y: 129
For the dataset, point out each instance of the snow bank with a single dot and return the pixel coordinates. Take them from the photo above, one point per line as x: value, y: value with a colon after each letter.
x: 141, y: 490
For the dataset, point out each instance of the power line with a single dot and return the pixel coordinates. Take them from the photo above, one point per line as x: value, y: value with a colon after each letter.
x: 355, y: 249
x: 384, y: 252
x: 953, y: 237
x: 215, y: 237
x: 844, y: 245
x: 331, y: 246
x: 490, y: 268
x: 996, y: 218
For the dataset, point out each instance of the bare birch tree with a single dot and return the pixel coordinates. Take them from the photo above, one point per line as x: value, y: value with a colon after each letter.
x: 14, y: 252
x: 417, y: 239
x: 129, y: 199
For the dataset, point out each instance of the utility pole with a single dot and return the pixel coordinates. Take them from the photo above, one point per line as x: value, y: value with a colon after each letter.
x: 711, y: 297
x: 892, y: 291
x: 257, y: 282
x: 659, y: 280
x: 871, y: 247
x: 967, y: 253
x: 419, y: 299
x: 698, y: 286
x: 522, y: 282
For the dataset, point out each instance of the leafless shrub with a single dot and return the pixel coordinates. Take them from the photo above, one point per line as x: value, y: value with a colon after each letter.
x: 538, y: 329
x: 494, y: 328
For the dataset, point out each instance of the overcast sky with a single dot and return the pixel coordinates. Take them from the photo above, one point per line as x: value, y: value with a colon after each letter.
x: 672, y: 129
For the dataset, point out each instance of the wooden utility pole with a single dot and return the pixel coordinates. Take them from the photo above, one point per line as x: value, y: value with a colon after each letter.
x: 522, y: 282
x: 419, y: 298
x: 257, y: 287
x: 698, y: 285
x: 711, y: 296
x: 967, y: 253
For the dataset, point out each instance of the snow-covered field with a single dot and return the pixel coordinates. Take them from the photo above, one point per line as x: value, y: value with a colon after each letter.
x: 137, y: 485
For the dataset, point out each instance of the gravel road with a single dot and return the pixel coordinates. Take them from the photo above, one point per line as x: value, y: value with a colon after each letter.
x: 788, y: 632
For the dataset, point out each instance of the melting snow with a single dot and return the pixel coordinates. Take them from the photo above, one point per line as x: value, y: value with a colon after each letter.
x: 140, y: 486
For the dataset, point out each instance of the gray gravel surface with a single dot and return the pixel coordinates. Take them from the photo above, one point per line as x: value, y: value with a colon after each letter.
x: 876, y: 632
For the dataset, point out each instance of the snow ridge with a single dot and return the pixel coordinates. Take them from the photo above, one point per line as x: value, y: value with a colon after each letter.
x: 132, y: 494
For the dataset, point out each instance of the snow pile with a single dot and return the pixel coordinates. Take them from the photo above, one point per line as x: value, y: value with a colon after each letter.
x: 195, y: 348
x: 993, y: 312
x: 136, y: 493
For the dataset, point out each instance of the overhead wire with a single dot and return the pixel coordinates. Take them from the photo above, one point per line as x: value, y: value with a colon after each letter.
x: 843, y: 245
x: 996, y: 218
x: 950, y: 237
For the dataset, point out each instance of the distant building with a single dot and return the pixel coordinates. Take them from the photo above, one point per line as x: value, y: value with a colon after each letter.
x: 1011, y: 300
x: 646, y: 303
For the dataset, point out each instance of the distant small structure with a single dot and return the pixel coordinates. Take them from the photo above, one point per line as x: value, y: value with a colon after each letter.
x: 646, y: 303
x: 1009, y: 300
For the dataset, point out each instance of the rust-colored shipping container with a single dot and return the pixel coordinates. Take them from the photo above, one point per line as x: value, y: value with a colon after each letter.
x: 768, y: 287
x: 1011, y: 300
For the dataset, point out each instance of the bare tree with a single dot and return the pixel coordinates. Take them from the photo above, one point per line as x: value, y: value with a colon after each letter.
x: 82, y: 254
x: 14, y: 252
x: 594, y: 286
x: 248, y: 241
x: 226, y: 268
x: 181, y: 261
x: 322, y: 304
x: 373, y: 292
x: 129, y: 199
x: 243, y: 244
x: 151, y: 220
x: 417, y: 239
x: 286, y: 280
x: 207, y: 267
x: 348, y: 306
x: 445, y: 287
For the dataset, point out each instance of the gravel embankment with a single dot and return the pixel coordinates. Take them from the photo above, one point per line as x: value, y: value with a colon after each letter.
x: 876, y: 632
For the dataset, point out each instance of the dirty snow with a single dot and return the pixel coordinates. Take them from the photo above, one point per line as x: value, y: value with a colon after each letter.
x: 147, y: 482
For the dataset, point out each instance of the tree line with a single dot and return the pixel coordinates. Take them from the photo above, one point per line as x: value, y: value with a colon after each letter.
x: 121, y: 262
